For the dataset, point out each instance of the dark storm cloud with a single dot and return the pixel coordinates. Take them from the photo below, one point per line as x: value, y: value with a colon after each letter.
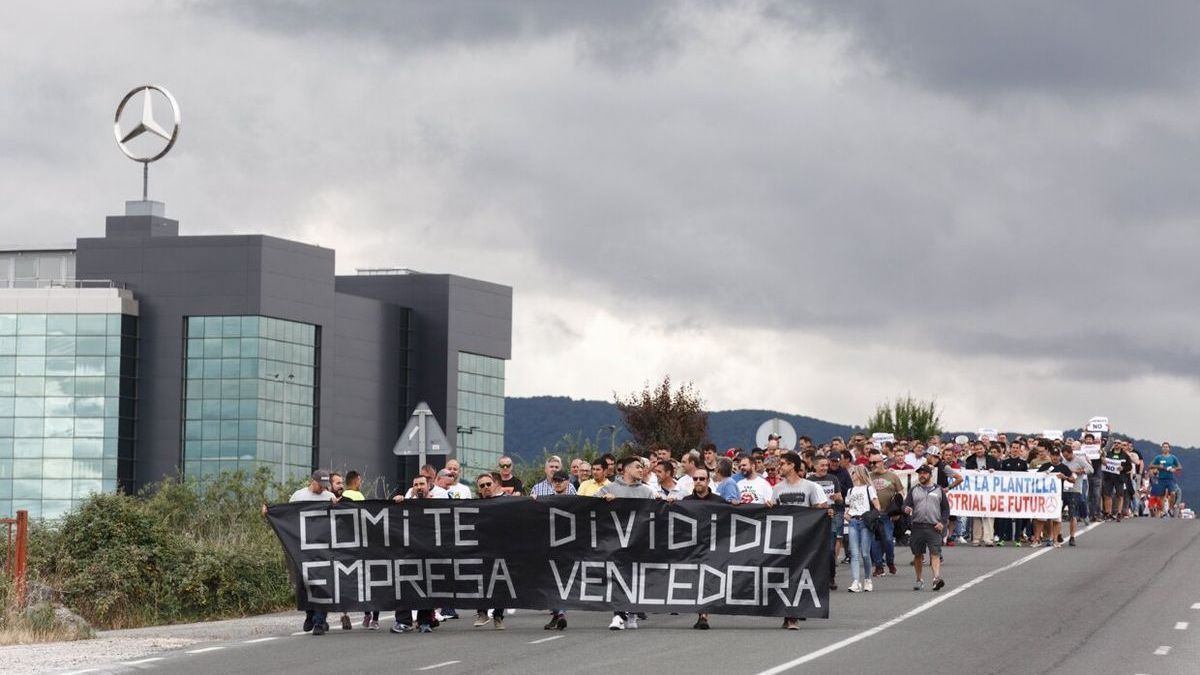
x: 1101, y: 47
x: 619, y: 32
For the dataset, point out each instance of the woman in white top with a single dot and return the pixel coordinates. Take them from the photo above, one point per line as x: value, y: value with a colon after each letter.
x: 859, y: 500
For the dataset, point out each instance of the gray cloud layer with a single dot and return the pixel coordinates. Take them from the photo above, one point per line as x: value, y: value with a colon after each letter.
x: 977, y: 180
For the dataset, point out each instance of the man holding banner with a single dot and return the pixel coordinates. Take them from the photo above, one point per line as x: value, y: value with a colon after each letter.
x: 1052, y: 527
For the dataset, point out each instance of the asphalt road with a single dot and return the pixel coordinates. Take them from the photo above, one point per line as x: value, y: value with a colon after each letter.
x: 1126, y: 600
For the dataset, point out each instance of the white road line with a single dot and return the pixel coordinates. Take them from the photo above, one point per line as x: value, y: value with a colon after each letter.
x: 203, y: 649
x: 1162, y: 651
x: 1181, y: 625
x: 299, y: 632
x: 263, y: 639
x: 538, y: 642
x: 440, y: 665
x: 141, y: 661
x: 912, y: 612
x: 1196, y: 605
x: 80, y: 672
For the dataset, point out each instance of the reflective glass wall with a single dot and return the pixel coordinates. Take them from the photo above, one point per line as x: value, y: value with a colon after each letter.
x: 67, y: 397
x: 250, y: 395
x: 480, y: 433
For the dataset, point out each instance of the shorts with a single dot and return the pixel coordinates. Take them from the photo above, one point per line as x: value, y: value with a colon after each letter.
x: 1154, y: 503
x: 1160, y: 489
x: 1071, y: 504
x: 923, y: 538
x: 1112, y: 485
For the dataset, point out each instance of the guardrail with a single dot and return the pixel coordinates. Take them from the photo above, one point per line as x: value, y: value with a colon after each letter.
x: 16, y: 549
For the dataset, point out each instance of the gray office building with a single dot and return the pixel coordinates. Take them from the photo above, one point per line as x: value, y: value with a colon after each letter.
x: 145, y: 354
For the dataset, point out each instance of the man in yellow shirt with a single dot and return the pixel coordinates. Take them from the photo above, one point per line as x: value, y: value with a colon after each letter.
x: 353, y: 487
x: 599, y: 479
x: 353, y: 492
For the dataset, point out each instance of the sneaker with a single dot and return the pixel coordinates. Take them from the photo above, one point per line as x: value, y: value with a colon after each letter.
x: 346, y: 624
x: 374, y: 625
x: 856, y: 587
x: 481, y: 619
x: 319, y: 629
x: 424, y: 628
x: 552, y: 623
x: 891, y: 569
x: 952, y: 542
x: 868, y: 585
x: 617, y: 623
x: 448, y: 613
x: 1017, y: 544
x: 499, y: 621
x: 1050, y: 543
x: 641, y: 615
x: 938, y: 584
x: 631, y: 622
x: 1071, y: 541
x: 878, y: 571
x: 308, y: 624
x: 701, y: 624
x: 791, y: 624
x: 918, y: 585
x: 366, y: 621
x: 401, y: 628
x: 561, y: 622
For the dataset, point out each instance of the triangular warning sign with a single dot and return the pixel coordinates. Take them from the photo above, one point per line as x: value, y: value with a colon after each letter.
x: 409, y: 443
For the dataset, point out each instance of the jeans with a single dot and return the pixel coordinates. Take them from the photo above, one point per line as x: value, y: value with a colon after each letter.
x: 960, y: 527
x: 860, y: 548
x: 1081, y: 503
x: 318, y: 617
x: 834, y: 533
x: 1094, y: 485
x: 885, y: 551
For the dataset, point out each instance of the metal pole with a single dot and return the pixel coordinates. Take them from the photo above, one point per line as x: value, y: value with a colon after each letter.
x: 145, y: 181
x: 421, y: 442
x: 22, y: 546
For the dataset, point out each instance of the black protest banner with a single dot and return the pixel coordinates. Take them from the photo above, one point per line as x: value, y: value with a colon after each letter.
x: 558, y: 552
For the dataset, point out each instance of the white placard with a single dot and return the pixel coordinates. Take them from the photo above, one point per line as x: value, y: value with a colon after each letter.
x: 1092, y: 452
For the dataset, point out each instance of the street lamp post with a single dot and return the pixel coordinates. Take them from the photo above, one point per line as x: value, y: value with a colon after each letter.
x: 612, y: 437
x: 279, y: 377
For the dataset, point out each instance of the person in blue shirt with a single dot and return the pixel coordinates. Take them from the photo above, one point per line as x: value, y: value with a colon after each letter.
x: 727, y: 488
x: 1169, y: 467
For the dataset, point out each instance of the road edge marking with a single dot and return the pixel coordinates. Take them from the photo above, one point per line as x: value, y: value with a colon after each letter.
x: 440, y: 665
x: 553, y: 637
x: 870, y: 632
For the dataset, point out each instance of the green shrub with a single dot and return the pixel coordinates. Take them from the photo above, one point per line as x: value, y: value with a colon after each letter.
x: 181, y: 551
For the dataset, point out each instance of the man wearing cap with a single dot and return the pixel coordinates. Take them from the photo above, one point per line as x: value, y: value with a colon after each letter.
x: 318, y: 490
x: 546, y: 487
x: 926, y: 503
x: 628, y: 485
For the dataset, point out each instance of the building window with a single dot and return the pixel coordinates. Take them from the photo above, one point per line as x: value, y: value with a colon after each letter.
x: 480, y: 434
x: 67, y: 384
x: 250, y: 393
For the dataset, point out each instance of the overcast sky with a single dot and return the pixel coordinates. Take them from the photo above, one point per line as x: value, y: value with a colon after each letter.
x: 807, y: 208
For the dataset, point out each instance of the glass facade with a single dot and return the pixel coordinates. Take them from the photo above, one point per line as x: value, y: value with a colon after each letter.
x: 480, y: 434
x: 67, y: 398
x: 250, y: 392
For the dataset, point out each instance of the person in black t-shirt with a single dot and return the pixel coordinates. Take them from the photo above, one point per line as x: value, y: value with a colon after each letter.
x: 1013, y: 530
x: 509, y: 483
x: 1115, y: 466
x: 701, y: 492
x: 1053, y: 528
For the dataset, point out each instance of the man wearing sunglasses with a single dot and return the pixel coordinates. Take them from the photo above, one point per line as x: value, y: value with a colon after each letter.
x: 488, y: 487
x: 510, y: 484
x: 702, y: 491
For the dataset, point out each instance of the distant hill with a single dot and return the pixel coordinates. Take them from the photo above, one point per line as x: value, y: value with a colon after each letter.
x: 538, y: 423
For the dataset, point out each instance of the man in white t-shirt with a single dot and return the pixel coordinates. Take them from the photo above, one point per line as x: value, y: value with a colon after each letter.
x: 754, y: 489
x: 447, y: 479
x: 456, y: 490
x: 316, y: 491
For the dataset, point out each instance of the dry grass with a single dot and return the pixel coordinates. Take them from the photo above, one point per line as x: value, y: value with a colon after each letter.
x: 38, y: 624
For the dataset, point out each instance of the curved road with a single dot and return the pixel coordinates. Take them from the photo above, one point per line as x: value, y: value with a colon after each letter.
x: 1126, y: 600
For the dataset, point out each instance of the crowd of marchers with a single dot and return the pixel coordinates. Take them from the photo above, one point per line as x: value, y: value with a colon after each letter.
x: 856, y: 481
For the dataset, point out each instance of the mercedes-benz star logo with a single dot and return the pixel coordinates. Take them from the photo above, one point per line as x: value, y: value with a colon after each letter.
x: 147, y: 125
